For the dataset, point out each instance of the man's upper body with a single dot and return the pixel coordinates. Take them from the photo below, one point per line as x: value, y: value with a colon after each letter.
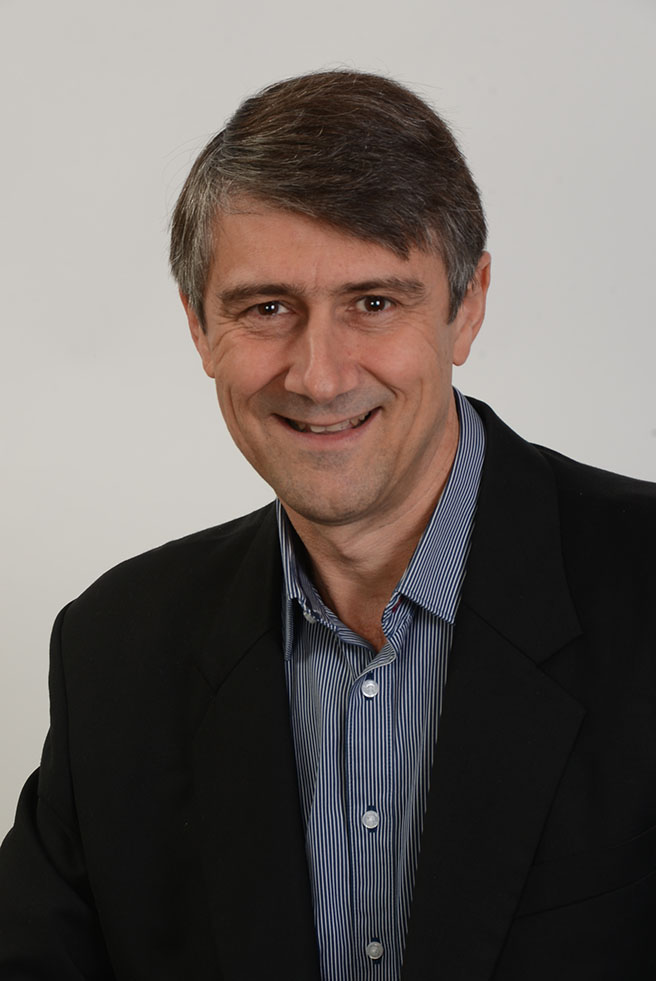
x: 445, y: 768
x: 164, y: 836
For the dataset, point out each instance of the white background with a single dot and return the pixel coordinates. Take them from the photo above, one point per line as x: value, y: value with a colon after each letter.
x: 111, y: 442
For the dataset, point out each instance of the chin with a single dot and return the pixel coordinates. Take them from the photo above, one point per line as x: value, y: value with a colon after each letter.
x: 329, y: 512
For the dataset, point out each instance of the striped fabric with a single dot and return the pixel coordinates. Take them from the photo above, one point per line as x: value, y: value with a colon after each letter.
x: 365, y: 724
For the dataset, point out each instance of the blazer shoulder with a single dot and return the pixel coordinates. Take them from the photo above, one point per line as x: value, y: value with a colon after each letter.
x: 603, y: 524
x: 608, y: 530
x: 601, y: 493
x: 199, y: 565
x: 604, y: 484
x: 589, y: 494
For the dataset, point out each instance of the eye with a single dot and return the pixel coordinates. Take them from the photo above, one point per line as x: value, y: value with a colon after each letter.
x: 269, y: 309
x: 373, y: 304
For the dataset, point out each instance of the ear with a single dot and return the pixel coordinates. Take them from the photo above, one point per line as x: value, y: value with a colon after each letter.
x: 199, y: 336
x: 472, y: 310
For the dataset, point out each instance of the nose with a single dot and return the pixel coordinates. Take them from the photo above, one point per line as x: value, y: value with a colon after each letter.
x: 321, y: 362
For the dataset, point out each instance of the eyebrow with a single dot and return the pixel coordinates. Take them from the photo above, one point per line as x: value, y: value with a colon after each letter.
x: 240, y: 292
x: 246, y: 291
x: 412, y: 288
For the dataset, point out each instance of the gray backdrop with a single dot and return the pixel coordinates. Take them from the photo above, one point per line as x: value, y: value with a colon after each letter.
x: 111, y: 439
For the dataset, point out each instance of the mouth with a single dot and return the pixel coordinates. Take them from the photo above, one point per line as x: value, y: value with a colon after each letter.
x: 336, y: 427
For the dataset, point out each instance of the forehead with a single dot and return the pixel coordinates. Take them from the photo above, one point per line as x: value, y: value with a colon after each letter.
x: 254, y: 242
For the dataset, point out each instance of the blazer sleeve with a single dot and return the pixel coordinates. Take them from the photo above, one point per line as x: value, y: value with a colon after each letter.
x: 49, y: 928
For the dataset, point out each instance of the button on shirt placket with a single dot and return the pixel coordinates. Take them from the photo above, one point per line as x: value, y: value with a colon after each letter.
x: 370, y: 795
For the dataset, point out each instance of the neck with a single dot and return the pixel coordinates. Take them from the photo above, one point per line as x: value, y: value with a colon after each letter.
x: 356, y: 566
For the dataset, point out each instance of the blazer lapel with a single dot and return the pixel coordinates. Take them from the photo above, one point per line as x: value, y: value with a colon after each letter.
x: 506, y: 729
x: 249, y: 818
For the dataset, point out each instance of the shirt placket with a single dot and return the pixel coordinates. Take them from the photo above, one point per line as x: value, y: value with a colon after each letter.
x: 371, y: 821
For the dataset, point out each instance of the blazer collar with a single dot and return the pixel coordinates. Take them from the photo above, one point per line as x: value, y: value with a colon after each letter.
x: 247, y: 594
x: 515, y: 575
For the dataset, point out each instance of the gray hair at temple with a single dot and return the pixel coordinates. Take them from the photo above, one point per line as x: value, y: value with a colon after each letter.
x: 358, y: 151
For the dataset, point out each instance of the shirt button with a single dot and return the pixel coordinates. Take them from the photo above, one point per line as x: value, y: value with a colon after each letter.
x: 370, y: 820
x: 375, y: 950
x: 308, y: 616
x: 369, y: 688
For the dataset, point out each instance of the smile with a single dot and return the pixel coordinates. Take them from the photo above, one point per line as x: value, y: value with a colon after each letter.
x: 336, y: 427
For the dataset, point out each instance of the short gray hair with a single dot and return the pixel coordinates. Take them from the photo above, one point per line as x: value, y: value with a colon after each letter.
x: 358, y: 151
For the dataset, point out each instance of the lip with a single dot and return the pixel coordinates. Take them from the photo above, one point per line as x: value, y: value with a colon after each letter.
x: 327, y: 438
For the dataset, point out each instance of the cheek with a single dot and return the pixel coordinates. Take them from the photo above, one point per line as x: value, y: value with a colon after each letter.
x: 241, y: 375
x: 414, y: 362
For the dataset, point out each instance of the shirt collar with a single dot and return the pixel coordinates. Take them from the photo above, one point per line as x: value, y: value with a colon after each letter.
x: 434, y: 576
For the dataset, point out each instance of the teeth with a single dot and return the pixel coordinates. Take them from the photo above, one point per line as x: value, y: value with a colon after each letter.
x: 337, y: 427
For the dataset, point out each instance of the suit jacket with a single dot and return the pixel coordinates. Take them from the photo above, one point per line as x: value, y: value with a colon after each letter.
x: 162, y: 837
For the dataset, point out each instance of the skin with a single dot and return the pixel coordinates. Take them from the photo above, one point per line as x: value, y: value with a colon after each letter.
x: 307, y: 325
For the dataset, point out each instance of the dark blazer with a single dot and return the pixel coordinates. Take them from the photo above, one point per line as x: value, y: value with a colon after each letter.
x: 162, y: 837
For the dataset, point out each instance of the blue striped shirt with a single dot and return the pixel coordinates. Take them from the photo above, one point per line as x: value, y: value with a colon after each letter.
x: 364, y: 725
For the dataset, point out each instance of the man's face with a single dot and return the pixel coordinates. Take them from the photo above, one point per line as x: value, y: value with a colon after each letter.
x: 332, y: 362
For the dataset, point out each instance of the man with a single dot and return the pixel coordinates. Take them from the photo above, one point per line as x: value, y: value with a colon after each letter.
x: 256, y: 766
